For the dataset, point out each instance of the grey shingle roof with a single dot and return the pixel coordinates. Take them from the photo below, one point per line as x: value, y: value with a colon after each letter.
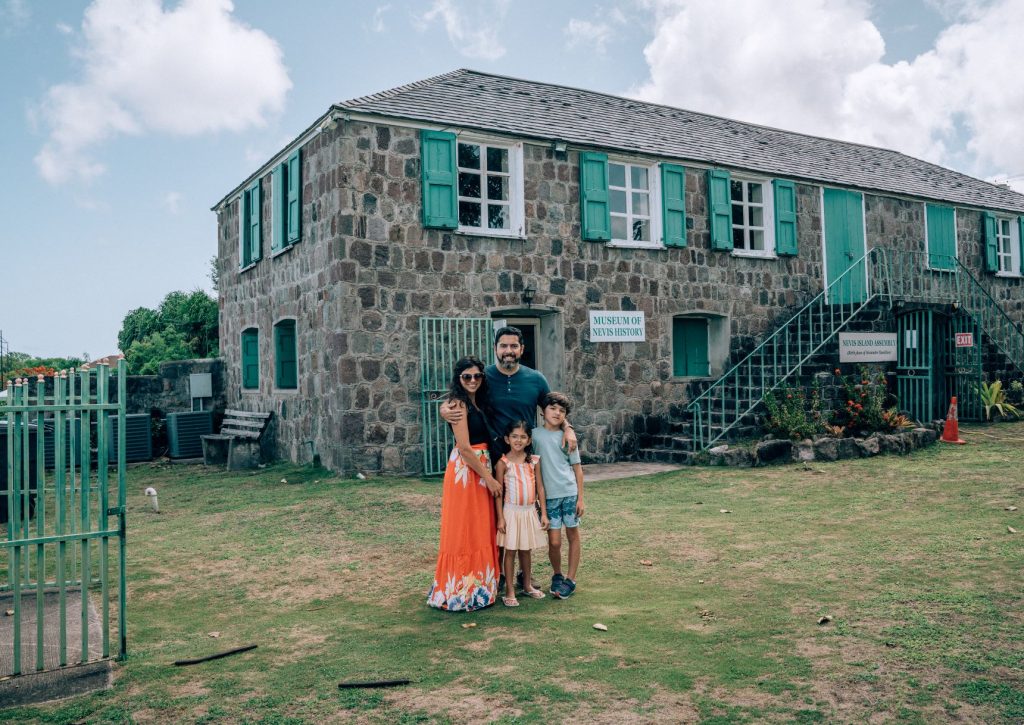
x: 469, y: 99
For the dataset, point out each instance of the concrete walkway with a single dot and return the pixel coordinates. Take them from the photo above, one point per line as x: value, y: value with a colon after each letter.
x: 624, y: 469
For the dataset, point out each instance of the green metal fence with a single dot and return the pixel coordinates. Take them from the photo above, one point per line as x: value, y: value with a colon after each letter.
x: 62, y: 518
x: 443, y: 340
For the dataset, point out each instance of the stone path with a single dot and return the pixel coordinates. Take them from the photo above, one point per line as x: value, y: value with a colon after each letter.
x: 624, y: 469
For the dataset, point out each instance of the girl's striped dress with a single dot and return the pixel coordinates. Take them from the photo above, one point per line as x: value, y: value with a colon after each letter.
x: 522, y: 526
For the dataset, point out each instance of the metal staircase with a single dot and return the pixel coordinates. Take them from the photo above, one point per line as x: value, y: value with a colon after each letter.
x: 882, y: 275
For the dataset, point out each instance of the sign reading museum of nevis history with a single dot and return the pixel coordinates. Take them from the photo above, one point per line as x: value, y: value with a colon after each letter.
x: 615, y: 326
x: 867, y: 346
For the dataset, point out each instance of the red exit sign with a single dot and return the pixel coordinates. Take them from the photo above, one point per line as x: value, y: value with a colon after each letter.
x: 965, y: 339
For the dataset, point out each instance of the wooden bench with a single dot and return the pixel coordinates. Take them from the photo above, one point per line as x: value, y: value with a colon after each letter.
x: 239, y: 443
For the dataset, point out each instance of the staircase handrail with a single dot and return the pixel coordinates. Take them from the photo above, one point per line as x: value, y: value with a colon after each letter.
x: 1015, y: 356
x: 861, y: 266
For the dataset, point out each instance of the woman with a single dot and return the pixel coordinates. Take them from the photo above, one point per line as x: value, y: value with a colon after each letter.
x: 467, y: 562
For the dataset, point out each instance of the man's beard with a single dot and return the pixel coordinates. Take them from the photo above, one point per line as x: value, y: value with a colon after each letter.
x: 509, y: 362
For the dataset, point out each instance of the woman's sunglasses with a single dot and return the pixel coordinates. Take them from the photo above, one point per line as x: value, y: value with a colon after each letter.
x: 472, y: 376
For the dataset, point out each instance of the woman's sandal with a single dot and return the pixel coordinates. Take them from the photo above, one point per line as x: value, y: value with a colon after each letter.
x: 510, y: 601
x: 534, y: 593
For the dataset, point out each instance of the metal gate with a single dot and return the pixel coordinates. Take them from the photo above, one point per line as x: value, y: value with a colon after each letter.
x: 915, y: 365
x: 443, y: 340
x: 962, y: 366
x: 931, y: 368
x: 60, y: 522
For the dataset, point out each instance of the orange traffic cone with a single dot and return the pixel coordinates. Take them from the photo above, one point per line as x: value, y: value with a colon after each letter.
x: 951, y: 431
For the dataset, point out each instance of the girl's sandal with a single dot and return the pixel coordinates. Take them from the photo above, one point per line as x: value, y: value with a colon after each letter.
x: 510, y: 601
x: 534, y: 593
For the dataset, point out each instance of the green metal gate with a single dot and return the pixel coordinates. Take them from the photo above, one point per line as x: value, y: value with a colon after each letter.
x: 962, y: 366
x: 60, y: 521
x: 915, y: 364
x: 443, y: 340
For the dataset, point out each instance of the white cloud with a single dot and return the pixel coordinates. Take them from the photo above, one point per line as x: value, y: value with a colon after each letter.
x: 475, y: 35
x: 189, y: 70
x: 816, y: 66
x: 64, y: 29
x: 591, y: 36
x: 171, y: 201
x: 14, y: 16
x: 378, y: 25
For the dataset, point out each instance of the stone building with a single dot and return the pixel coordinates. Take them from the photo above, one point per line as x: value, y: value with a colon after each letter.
x: 389, y: 234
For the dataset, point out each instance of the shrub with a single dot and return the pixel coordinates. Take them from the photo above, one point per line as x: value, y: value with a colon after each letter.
x: 869, y: 407
x: 792, y: 413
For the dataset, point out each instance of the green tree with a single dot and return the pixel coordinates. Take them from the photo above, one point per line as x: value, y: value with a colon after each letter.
x: 183, y: 326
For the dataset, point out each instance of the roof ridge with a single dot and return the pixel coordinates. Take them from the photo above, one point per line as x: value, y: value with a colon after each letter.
x: 652, y: 104
x: 398, y: 90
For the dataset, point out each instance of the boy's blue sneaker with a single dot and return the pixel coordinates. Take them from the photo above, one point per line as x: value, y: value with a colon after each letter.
x: 556, y: 585
x: 568, y: 586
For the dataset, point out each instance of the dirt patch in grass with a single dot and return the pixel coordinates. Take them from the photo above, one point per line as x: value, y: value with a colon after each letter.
x: 458, y: 703
x: 686, y: 547
x: 429, y: 502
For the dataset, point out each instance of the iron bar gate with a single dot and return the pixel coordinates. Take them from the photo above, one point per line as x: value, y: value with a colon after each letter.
x: 443, y: 340
x: 59, y: 519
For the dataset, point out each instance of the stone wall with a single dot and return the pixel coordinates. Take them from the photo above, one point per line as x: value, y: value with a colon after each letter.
x: 366, y: 270
x: 168, y: 392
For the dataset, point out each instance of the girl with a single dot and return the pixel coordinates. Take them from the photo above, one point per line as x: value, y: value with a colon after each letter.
x: 465, y: 578
x: 518, y: 528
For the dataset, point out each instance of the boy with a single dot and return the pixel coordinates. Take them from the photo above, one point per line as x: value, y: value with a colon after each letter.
x: 563, y: 489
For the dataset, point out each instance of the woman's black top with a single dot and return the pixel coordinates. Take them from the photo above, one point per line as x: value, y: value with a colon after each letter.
x: 478, y: 430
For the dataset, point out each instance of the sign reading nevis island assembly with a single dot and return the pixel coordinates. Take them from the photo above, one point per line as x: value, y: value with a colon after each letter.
x: 867, y: 346
x: 616, y: 326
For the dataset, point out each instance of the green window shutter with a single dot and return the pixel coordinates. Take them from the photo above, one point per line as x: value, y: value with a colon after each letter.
x: 595, y: 216
x: 255, y: 208
x: 1020, y: 239
x: 941, y: 224
x: 673, y: 204
x: 285, y: 355
x: 720, y: 209
x: 294, y: 211
x: 243, y: 226
x: 988, y: 225
x: 279, y: 208
x: 785, y: 217
x: 250, y: 359
x: 440, y: 174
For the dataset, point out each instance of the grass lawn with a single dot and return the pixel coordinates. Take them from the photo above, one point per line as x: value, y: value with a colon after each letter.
x: 910, y: 557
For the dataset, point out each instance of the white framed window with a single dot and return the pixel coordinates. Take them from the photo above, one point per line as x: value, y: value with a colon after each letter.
x: 753, y: 217
x: 1007, y: 247
x: 634, y: 204
x: 490, y: 188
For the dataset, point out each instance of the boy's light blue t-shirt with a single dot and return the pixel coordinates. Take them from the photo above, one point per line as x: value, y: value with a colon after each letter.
x: 555, y: 464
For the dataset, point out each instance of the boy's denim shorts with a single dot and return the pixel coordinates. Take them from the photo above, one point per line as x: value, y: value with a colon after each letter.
x: 561, y: 512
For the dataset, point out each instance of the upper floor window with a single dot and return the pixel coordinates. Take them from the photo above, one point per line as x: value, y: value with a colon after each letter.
x: 489, y: 186
x: 1007, y: 246
x: 752, y: 224
x: 286, y: 192
x: 940, y: 236
x: 630, y: 200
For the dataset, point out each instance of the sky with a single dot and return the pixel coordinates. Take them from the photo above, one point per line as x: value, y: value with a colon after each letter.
x: 122, y: 122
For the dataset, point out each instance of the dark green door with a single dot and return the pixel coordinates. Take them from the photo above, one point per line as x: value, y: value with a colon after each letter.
x: 690, y: 347
x: 844, y: 245
x: 443, y: 340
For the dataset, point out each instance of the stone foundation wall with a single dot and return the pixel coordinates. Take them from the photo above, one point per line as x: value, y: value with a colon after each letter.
x: 366, y: 270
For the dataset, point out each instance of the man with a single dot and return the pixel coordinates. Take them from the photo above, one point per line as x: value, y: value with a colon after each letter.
x: 516, y: 391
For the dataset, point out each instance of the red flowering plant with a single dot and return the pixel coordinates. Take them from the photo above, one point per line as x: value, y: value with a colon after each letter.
x: 793, y: 412
x: 868, y: 406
